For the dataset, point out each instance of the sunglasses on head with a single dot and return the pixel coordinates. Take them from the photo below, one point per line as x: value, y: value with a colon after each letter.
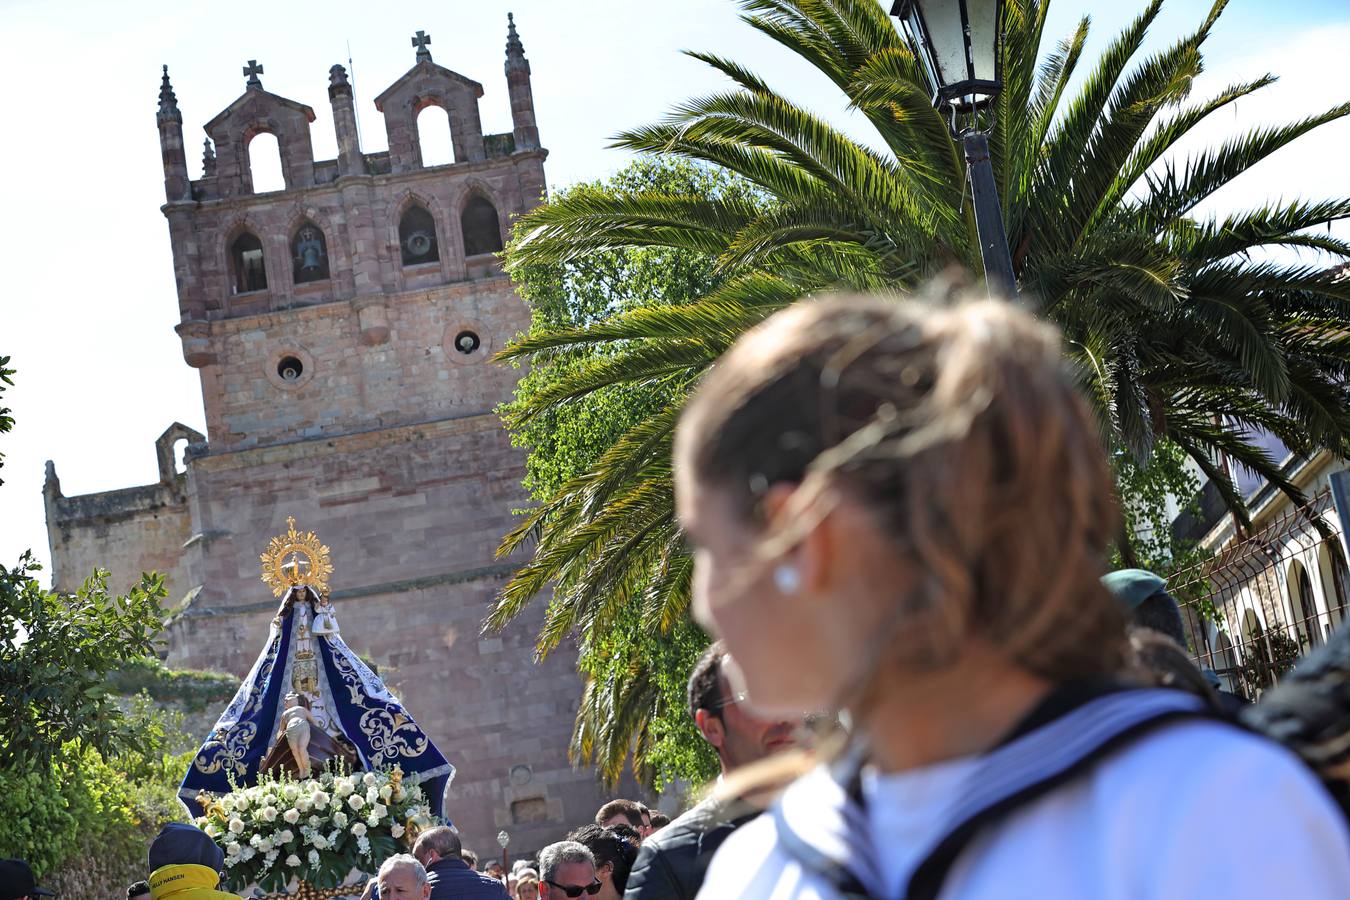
x: 573, y: 891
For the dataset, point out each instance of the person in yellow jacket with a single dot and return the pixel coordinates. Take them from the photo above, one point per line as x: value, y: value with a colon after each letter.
x: 185, y: 865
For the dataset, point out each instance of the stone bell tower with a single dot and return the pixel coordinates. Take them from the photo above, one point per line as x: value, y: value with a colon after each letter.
x: 342, y: 329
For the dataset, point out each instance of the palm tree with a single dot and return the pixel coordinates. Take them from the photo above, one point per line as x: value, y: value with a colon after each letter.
x: 1181, y: 326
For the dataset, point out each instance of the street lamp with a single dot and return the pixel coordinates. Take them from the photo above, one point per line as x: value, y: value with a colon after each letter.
x: 958, y: 44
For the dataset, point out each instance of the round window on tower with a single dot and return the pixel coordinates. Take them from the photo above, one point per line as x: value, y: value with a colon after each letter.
x: 290, y: 367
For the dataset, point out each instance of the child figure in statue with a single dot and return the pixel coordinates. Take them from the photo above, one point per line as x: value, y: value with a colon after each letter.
x: 324, y: 621
x: 296, y: 720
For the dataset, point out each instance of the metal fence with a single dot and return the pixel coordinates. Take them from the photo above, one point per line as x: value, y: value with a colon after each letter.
x: 1254, y: 608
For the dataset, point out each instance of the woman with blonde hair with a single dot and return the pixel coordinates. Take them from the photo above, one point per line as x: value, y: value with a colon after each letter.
x: 900, y: 512
x: 527, y: 885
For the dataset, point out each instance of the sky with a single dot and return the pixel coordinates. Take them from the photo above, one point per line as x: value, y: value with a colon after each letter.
x: 88, y: 305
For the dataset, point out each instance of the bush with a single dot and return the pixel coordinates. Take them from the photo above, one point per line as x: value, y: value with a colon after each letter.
x: 194, y: 691
x: 84, y: 822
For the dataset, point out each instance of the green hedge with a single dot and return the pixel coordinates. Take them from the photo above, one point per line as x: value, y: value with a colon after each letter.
x: 194, y: 691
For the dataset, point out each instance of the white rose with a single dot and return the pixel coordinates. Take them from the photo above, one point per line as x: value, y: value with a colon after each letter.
x: 269, y: 814
x: 241, y: 801
x: 265, y: 845
x: 342, y: 787
x: 236, y: 826
x: 386, y: 793
x: 285, y: 836
x: 292, y: 860
x: 356, y: 801
x: 359, y: 829
x: 304, y: 804
x: 369, y: 779
x: 372, y: 795
x: 291, y: 816
x: 320, y: 800
x: 255, y: 840
x: 319, y: 841
x: 340, y: 819
x: 290, y: 791
x: 396, y: 830
x: 314, y: 857
x: 313, y: 821
x: 232, y: 848
x: 379, y: 810
x: 373, y: 820
x: 211, y: 830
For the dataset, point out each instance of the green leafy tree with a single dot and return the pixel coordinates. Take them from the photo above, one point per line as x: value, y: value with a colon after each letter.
x: 86, y: 777
x: 566, y: 440
x: 56, y: 655
x: 1180, y: 326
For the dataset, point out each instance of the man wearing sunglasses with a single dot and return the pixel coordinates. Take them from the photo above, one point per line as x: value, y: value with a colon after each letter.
x: 567, y: 869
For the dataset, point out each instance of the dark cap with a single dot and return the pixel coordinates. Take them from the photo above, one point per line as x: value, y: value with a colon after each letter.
x: 1132, y: 587
x: 181, y: 845
x: 16, y: 880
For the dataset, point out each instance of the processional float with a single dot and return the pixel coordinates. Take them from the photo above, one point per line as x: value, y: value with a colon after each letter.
x: 310, y: 709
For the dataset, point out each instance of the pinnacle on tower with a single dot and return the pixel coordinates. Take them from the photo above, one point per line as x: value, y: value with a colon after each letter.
x: 168, y: 103
x: 337, y: 76
x: 253, y: 70
x: 208, y: 157
x: 515, y: 50
x: 420, y: 41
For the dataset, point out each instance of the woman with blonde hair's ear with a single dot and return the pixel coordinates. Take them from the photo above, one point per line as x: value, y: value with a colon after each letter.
x: 899, y: 514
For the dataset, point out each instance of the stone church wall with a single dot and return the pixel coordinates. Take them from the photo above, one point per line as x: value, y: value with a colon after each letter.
x: 415, y: 376
x: 127, y: 531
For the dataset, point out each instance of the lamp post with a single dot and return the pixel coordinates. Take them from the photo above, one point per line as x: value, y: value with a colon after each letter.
x: 503, y: 839
x: 958, y: 44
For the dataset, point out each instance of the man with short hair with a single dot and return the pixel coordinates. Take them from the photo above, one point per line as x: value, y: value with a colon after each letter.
x: 495, y: 870
x: 402, y: 877
x: 567, y: 869
x: 440, y: 851
x: 470, y: 858
x: 628, y: 812
x: 17, y: 881
x: 671, y: 865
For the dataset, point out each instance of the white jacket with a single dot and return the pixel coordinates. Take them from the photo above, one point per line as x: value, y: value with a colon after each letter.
x: 1193, y: 809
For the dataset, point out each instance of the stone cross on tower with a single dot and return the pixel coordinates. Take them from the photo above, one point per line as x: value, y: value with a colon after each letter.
x: 253, y: 70
x: 420, y: 41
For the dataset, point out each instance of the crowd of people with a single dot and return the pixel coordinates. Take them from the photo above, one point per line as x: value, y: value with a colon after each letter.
x: 899, y: 515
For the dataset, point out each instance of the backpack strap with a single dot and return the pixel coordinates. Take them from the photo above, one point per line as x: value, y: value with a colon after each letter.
x: 1030, y: 766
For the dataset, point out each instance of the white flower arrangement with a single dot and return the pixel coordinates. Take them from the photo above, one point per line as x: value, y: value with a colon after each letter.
x: 316, y: 830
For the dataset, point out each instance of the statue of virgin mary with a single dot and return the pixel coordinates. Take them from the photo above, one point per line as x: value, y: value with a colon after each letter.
x: 353, y: 720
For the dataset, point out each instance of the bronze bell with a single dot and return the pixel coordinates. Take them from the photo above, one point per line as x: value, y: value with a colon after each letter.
x: 311, y: 253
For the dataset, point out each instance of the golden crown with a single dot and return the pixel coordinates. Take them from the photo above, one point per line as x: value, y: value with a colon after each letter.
x: 294, y: 558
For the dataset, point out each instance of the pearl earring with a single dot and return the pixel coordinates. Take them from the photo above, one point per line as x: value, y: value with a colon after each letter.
x: 787, y: 579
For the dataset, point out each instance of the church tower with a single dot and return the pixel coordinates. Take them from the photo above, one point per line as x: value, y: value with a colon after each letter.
x: 342, y: 328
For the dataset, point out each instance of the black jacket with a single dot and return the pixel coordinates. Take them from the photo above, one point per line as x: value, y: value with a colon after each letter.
x: 672, y: 862
x: 451, y: 879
